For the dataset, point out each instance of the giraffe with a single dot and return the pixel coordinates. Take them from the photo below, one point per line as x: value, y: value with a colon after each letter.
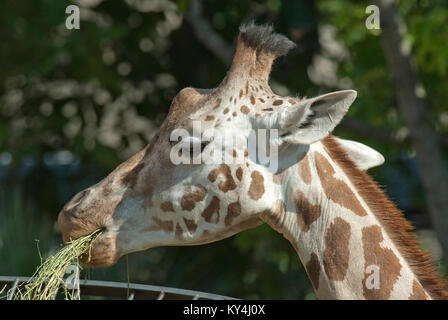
x: 352, y: 240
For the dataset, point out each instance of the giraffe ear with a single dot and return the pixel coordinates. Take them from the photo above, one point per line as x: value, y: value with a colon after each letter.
x: 363, y: 156
x: 313, y: 119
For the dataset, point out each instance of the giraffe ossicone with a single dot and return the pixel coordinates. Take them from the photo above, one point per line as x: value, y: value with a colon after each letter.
x: 318, y: 196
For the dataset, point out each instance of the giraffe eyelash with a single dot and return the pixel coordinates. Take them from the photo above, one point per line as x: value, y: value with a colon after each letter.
x: 303, y: 125
x: 307, y: 122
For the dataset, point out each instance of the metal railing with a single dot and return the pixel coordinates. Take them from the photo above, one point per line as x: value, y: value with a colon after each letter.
x: 119, y: 290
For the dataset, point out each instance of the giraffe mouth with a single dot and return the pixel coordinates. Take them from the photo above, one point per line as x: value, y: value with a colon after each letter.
x: 103, y: 252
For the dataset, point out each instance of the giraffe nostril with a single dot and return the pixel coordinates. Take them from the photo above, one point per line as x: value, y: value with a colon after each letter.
x: 81, y: 195
x: 69, y: 207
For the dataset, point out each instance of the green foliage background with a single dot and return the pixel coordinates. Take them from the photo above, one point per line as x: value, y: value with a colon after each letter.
x: 90, y: 98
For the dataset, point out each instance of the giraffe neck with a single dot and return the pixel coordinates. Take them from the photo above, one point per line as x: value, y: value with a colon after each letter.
x: 352, y: 245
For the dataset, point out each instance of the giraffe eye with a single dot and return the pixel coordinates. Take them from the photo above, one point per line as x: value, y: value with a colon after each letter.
x: 197, y: 144
x: 189, y: 146
x: 308, y: 121
x: 204, y: 144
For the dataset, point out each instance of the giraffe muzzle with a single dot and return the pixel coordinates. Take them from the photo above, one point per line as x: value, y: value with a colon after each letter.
x: 104, y: 251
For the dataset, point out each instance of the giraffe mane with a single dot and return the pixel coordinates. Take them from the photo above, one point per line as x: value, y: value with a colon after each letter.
x: 262, y: 38
x: 392, y: 219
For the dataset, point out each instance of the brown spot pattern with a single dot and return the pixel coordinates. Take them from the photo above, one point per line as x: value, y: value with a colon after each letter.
x: 179, y: 232
x: 277, y: 102
x: 313, y: 269
x: 252, y: 99
x: 167, y: 206
x: 225, y: 111
x: 191, y: 225
x: 391, y: 219
x: 226, y: 185
x: 306, y: 212
x: 241, y: 93
x: 233, y: 211
x: 211, y: 213
x: 384, y: 258
x: 256, y: 188
x: 244, y: 109
x: 336, y: 254
x: 189, y: 199
x: 209, y: 118
x: 239, y: 173
x: 337, y: 190
x: 291, y: 101
x: 164, y: 225
x: 218, y: 103
x: 304, y: 170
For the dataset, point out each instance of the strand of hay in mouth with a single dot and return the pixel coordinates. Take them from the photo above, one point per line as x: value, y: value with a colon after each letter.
x: 49, y: 277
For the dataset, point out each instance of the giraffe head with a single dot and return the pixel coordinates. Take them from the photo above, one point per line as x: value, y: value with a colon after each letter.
x: 167, y: 194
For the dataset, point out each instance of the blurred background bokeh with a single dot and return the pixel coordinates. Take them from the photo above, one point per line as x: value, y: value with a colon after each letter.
x: 76, y: 103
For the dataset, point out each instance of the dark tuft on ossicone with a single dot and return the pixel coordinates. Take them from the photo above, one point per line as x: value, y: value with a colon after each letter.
x: 262, y: 38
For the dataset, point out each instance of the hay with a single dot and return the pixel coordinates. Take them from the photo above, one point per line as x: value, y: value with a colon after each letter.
x: 49, y: 277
